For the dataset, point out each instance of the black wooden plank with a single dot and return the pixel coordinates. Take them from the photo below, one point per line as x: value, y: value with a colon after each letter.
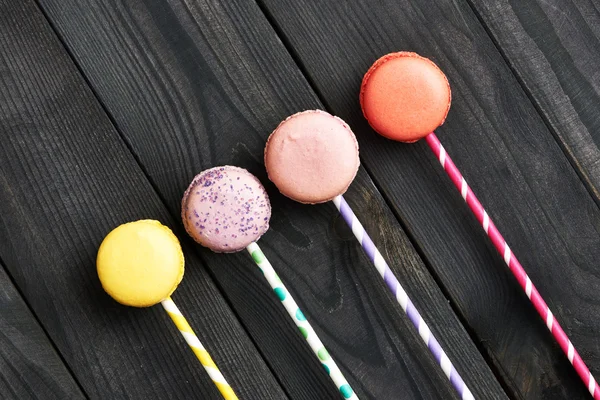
x: 66, y: 179
x: 196, y: 84
x: 506, y: 152
x: 553, y: 47
x: 30, y: 368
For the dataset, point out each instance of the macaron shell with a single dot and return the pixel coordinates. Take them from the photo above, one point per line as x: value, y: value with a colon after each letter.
x: 405, y: 97
x: 140, y: 263
x: 312, y: 157
x: 225, y: 209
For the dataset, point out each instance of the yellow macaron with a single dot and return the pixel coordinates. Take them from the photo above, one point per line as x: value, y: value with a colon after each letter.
x: 140, y: 263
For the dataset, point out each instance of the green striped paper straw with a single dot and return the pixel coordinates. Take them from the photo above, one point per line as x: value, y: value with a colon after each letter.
x: 300, y: 320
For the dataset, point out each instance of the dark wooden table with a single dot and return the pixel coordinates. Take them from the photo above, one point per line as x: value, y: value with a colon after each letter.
x: 108, y: 108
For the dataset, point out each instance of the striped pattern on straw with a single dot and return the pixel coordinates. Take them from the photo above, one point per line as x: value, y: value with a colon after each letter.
x: 513, y: 264
x: 396, y: 288
x: 300, y: 320
x: 192, y: 340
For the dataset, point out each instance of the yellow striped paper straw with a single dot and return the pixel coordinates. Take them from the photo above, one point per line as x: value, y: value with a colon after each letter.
x: 192, y: 340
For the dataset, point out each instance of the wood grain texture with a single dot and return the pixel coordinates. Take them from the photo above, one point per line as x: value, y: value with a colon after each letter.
x: 191, y: 85
x: 30, y: 368
x: 67, y: 179
x: 508, y: 155
x: 553, y: 47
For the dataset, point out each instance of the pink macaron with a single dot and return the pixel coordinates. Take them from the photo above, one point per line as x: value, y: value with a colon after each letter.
x: 312, y: 157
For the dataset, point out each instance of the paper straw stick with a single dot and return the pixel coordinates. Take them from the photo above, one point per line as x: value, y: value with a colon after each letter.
x: 402, y: 298
x: 300, y: 320
x: 192, y: 340
x: 513, y: 264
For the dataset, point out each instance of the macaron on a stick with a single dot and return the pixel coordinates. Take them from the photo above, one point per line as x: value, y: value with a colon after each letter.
x: 140, y: 264
x: 405, y: 97
x: 227, y: 210
x: 312, y: 157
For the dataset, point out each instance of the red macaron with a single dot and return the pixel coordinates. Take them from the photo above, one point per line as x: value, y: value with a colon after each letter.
x: 405, y: 96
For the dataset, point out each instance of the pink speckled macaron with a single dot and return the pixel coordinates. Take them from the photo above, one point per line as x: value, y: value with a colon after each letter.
x: 312, y: 157
x: 225, y: 209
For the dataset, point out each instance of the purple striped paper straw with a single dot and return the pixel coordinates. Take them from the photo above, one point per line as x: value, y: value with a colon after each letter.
x: 396, y: 288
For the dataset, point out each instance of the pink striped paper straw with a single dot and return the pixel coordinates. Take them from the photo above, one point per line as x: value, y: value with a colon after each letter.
x: 513, y: 264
